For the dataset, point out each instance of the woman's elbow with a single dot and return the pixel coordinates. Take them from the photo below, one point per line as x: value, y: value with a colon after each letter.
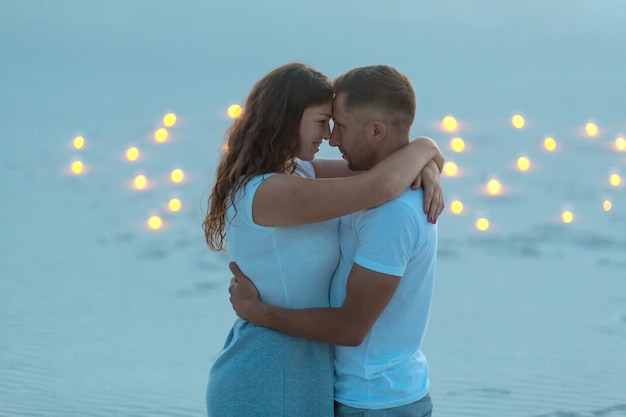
x: 390, y: 186
x: 439, y: 161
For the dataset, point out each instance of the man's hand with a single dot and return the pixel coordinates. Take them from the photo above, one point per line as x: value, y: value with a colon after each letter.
x: 429, y: 180
x: 243, y: 294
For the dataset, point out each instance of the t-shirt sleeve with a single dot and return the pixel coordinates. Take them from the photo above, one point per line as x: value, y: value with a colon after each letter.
x: 242, y: 211
x: 388, y: 236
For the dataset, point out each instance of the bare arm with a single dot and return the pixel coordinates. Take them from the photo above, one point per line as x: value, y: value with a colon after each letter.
x: 429, y: 180
x: 368, y: 293
x: 332, y: 168
x: 284, y: 199
x: 338, y: 168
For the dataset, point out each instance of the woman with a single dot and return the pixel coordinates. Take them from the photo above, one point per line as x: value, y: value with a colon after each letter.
x: 282, y: 227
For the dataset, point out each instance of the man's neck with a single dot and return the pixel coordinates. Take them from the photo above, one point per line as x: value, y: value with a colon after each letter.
x: 391, y: 145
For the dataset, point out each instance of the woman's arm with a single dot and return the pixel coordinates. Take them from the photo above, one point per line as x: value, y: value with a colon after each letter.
x: 338, y: 168
x: 284, y: 199
x: 429, y: 180
x: 332, y: 168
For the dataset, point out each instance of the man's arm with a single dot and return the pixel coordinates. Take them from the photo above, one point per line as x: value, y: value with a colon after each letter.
x: 367, y: 295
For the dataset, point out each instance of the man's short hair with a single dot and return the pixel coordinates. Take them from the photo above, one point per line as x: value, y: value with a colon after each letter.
x: 380, y: 86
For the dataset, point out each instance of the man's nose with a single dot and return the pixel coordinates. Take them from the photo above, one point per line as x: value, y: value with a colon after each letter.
x: 334, y: 138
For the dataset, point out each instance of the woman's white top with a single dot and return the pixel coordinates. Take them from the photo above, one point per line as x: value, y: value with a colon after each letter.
x: 291, y: 266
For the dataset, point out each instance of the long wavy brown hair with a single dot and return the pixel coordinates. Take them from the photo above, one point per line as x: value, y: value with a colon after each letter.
x: 264, y: 139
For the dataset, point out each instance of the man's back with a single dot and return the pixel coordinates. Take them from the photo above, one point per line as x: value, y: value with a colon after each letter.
x: 388, y: 369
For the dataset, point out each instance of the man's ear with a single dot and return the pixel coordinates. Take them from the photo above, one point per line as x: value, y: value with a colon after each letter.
x: 379, y: 131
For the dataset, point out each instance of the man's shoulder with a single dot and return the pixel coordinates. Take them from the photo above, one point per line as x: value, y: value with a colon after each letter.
x: 403, y: 210
x: 409, y: 203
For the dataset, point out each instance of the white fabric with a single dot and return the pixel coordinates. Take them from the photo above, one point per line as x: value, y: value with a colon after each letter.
x: 305, y: 169
x: 261, y: 372
x: 388, y: 369
x: 290, y: 265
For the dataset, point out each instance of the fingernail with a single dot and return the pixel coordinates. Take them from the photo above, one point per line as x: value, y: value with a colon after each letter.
x: 435, y: 221
x: 427, y: 211
x: 430, y: 219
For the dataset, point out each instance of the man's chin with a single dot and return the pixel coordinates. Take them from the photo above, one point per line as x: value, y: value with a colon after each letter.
x: 353, y: 167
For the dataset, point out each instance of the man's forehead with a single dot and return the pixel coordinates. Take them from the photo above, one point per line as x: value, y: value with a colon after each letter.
x: 340, y: 99
x: 339, y: 103
x: 354, y: 112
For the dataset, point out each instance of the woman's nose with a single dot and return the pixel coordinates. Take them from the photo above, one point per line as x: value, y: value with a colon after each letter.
x: 327, y: 132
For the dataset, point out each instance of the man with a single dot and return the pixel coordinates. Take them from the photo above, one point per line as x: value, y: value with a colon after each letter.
x: 381, y: 292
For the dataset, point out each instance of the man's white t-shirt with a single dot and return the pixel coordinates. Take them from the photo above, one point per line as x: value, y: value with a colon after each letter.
x: 388, y: 369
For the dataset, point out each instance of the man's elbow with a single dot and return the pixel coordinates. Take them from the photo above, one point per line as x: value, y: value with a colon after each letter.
x: 353, y: 337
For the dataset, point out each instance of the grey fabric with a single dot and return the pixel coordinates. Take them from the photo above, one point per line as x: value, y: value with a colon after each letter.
x: 421, y: 408
x: 264, y: 373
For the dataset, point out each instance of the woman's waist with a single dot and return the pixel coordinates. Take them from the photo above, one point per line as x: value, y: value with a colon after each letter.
x: 291, y: 287
x: 249, y: 334
x: 295, y: 292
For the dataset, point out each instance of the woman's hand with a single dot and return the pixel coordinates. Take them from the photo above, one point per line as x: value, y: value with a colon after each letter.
x: 244, y: 296
x: 429, y: 180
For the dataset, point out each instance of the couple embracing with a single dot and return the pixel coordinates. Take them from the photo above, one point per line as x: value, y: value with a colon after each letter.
x: 334, y: 260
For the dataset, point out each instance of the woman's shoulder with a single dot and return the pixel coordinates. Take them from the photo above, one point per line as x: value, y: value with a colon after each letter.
x: 250, y: 185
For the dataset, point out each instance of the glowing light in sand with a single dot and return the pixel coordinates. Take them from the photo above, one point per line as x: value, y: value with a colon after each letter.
x: 549, y: 144
x: 518, y: 121
x: 523, y: 163
x: 615, y: 180
x: 450, y: 169
x: 161, y: 135
x: 620, y: 144
x: 140, y: 182
x: 175, y: 204
x: 78, y: 142
x: 494, y: 187
x: 482, y: 224
x: 607, y: 205
x: 449, y: 124
x: 169, y: 120
x: 177, y: 175
x: 456, y: 207
x: 591, y: 129
x: 77, y: 167
x: 234, y: 111
x: 567, y: 216
x: 132, y: 154
x: 155, y: 222
x: 457, y: 144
